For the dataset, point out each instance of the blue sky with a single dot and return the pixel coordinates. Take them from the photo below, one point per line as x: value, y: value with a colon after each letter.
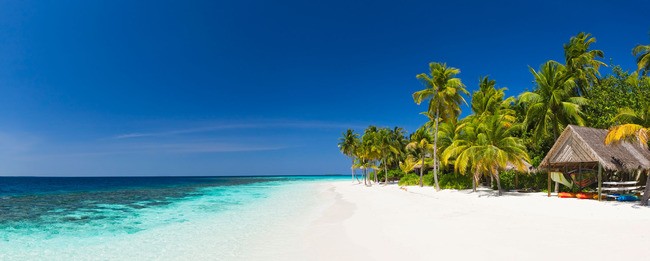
x: 256, y: 87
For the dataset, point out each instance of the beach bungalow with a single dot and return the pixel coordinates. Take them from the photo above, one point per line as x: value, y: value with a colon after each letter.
x: 620, y: 167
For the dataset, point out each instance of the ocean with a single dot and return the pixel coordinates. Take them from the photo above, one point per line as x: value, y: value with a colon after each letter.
x: 150, y: 218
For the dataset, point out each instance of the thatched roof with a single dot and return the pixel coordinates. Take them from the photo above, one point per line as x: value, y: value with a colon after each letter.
x: 583, y: 145
x: 529, y: 167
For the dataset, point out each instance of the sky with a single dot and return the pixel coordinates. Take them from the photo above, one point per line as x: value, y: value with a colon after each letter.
x: 246, y: 87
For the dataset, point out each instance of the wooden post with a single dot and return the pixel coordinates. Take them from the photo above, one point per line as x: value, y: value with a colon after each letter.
x: 600, y: 182
x: 579, y: 176
x: 564, y: 173
x: 548, y: 172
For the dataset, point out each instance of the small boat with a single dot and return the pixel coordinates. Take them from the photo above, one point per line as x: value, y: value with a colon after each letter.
x: 566, y: 195
x: 585, y: 195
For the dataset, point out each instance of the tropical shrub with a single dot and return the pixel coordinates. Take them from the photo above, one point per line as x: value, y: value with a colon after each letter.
x: 412, y: 179
x: 395, y: 174
x: 409, y: 179
x: 455, y: 181
x: 527, y: 181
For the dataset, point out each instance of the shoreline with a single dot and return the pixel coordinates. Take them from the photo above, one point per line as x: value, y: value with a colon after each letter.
x: 342, y: 220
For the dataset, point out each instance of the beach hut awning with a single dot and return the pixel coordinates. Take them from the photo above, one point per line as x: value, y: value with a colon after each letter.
x: 583, y: 145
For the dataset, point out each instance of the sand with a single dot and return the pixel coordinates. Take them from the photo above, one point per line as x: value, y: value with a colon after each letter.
x: 354, y: 222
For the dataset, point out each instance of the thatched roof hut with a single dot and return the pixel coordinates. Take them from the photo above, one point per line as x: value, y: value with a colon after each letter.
x: 584, y: 148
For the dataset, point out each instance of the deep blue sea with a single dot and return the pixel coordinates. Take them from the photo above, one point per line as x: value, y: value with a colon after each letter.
x: 122, y: 217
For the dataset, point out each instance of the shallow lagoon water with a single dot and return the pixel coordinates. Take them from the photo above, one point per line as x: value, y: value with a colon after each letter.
x: 145, y: 218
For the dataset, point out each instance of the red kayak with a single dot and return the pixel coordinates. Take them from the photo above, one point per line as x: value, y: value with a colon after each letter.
x: 566, y: 195
x: 583, y: 195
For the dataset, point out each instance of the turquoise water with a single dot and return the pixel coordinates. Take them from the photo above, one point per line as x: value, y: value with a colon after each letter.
x: 145, y: 218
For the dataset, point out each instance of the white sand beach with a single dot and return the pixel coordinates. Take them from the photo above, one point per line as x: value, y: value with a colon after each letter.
x: 388, y: 223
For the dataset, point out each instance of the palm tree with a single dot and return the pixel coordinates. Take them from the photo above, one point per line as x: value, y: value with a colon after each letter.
x: 396, y: 151
x: 581, y: 62
x: 384, y: 145
x: 420, y: 145
x: 362, y: 161
x: 488, y: 101
x: 553, y: 104
x: 642, y: 53
x: 464, y: 151
x: 492, y: 122
x: 487, y: 147
x: 408, y: 164
x: 636, y: 128
x: 501, y: 146
x: 348, y: 144
x: 371, y: 150
x: 444, y: 92
x: 400, y: 141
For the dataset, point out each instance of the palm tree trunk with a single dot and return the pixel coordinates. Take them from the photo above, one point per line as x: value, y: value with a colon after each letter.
x: 365, y: 176
x: 422, y: 169
x: 435, y: 151
x: 646, y: 192
x: 516, y: 180
x: 376, y: 178
x: 355, y: 176
x: 352, y: 168
x: 555, y: 131
x: 474, y: 181
x: 496, y: 175
x: 385, y: 173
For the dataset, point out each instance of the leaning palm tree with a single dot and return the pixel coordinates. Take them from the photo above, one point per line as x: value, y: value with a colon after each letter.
x: 642, y: 53
x: 420, y: 145
x: 581, y: 62
x: 444, y: 92
x: 553, y: 105
x: 635, y: 128
x: 348, y: 143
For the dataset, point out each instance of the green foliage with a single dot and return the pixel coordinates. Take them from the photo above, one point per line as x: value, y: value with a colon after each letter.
x: 613, y: 93
x: 507, y: 179
x: 409, y: 180
x: 412, y: 179
x: 447, y: 180
x: 642, y: 53
x: 395, y: 174
x: 525, y: 181
x: 554, y: 103
x: 455, y: 181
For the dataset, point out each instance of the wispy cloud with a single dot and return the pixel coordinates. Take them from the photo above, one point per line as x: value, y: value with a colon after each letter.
x: 230, y: 126
x: 209, y: 148
x: 13, y: 143
x: 155, y: 149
